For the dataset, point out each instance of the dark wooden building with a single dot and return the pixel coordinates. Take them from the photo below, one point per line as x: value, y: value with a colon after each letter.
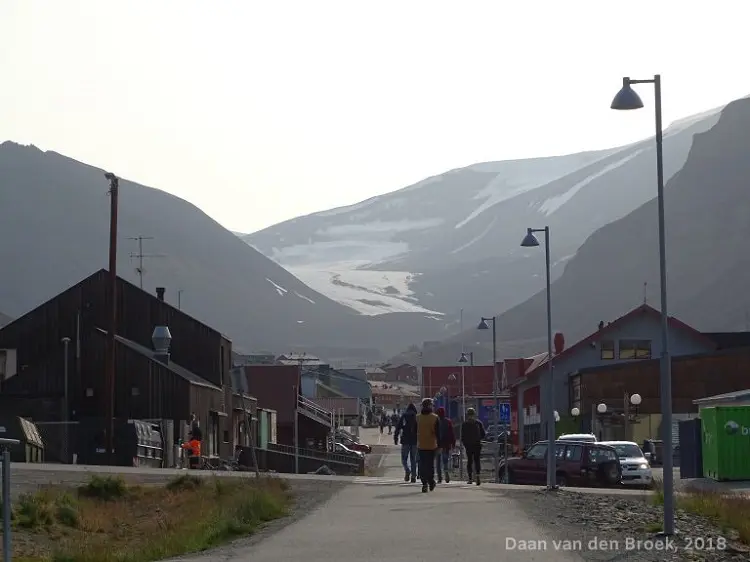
x: 693, y: 377
x: 278, y: 387
x: 192, y: 381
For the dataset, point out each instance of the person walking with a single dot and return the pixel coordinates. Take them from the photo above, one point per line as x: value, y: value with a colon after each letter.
x: 406, y: 428
x: 382, y: 423
x: 446, y: 442
x: 428, y: 432
x: 472, y: 434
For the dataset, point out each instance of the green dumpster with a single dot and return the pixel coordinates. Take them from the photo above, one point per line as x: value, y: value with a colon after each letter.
x: 726, y: 442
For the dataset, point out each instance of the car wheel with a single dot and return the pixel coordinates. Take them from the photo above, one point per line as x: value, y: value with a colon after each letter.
x: 561, y: 480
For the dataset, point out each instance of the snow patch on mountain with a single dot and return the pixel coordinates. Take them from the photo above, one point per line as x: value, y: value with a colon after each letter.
x: 279, y: 289
x: 303, y: 297
x: 476, y: 238
x: 521, y: 176
x: 554, y: 203
x: 368, y: 292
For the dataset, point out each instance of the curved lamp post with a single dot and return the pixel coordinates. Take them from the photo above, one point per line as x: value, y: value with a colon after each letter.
x: 530, y: 241
x: 628, y: 99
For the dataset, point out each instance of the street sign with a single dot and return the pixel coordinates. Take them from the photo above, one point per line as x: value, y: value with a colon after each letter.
x: 505, y: 413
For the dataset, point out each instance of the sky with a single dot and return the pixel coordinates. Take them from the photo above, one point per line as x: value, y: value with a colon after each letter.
x: 261, y: 111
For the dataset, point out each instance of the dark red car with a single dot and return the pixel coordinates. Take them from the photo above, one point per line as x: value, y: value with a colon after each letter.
x: 578, y: 464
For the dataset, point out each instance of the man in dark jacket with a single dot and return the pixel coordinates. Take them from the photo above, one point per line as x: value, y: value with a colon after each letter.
x: 472, y: 434
x: 446, y: 442
x: 428, y: 432
x: 407, y: 430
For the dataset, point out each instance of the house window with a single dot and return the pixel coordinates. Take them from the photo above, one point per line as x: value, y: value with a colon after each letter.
x: 635, y: 349
x: 608, y: 349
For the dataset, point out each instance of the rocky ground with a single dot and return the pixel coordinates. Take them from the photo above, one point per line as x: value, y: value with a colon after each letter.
x: 609, y: 528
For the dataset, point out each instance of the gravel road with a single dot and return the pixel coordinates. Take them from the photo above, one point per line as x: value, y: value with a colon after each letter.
x: 615, y: 523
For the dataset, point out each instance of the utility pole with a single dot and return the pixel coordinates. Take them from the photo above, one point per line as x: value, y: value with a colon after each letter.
x: 114, y: 188
x: 140, y: 255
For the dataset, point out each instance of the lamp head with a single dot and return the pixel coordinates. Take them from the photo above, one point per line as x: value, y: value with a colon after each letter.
x: 529, y: 241
x: 627, y: 98
x: 483, y: 325
x: 463, y: 358
x: 635, y: 399
x: 601, y: 408
x: 575, y: 412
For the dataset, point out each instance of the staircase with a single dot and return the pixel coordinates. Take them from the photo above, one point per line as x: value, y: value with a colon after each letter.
x: 313, y: 411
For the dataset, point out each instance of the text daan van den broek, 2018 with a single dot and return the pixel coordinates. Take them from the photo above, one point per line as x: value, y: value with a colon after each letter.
x: 629, y: 543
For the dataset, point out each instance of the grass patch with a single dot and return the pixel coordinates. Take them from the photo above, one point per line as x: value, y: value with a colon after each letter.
x: 731, y: 512
x: 108, y: 521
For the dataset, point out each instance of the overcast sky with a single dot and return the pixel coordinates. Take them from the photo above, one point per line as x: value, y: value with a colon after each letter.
x: 260, y: 111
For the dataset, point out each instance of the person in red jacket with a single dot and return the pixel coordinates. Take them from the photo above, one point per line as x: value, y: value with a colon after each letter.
x: 446, y: 443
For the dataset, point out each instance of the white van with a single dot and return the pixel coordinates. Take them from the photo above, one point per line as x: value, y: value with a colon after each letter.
x: 585, y: 437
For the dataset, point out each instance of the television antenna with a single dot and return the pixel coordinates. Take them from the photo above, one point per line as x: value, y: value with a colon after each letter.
x: 140, y: 270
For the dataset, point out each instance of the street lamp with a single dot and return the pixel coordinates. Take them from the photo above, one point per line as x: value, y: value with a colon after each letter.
x: 495, y: 395
x: 66, y: 416
x: 530, y: 241
x: 627, y: 99
x: 630, y: 399
x: 451, y: 380
x: 601, y: 409
x: 575, y: 412
x: 557, y: 416
x: 465, y: 358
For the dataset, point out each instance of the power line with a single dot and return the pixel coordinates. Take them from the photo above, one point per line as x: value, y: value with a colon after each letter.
x: 140, y: 255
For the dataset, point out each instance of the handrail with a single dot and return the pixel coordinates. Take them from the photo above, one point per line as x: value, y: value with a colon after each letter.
x: 309, y: 406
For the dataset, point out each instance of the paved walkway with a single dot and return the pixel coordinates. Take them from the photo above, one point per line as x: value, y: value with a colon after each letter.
x: 393, y: 521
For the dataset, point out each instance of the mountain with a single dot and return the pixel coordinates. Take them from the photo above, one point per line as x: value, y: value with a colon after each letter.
x: 54, y: 230
x: 451, y: 241
x: 707, y: 205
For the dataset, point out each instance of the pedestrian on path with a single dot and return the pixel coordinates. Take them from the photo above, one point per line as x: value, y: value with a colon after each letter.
x: 428, y: 430
x: 472, y: 434
x: 446, y: 442
x: 407, y: 430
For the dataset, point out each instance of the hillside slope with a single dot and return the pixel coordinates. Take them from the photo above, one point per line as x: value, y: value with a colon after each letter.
x: 707, y: 208
x: 54, y: 225
x: 447, y: 242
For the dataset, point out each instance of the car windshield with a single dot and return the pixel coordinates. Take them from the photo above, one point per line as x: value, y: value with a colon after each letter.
x: 628, y: 450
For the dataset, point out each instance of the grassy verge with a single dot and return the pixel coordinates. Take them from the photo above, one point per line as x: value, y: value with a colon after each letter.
x: 108, y: 521
x: 728, y: 511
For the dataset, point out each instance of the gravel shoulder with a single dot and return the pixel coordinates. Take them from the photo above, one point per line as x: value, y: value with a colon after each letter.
x: 609, y: 528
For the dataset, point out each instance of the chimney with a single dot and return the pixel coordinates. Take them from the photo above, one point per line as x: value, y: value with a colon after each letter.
x: 160, y: 293
x: 162, y: 339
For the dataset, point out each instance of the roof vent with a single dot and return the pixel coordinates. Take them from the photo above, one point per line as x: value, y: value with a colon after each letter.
x: 162, y: 339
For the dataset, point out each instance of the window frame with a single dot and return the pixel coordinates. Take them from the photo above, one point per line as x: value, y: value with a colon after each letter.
x: 573, y: 447
x: 542, y: 446
x: 607, y: 349
x: 640, y: 348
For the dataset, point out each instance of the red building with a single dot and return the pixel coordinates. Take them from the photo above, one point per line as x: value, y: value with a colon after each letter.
x: 279, y: 385
x: 479, y: 380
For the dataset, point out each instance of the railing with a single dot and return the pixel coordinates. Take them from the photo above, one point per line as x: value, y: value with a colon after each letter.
x: 315, y: 454
x: 312, y: 409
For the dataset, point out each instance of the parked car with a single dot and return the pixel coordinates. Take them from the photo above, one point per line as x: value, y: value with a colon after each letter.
x: 355, y: 445
x: 579, y: 463
x: 636, y: 470
x: 585, y: 437
x: 344, y: 450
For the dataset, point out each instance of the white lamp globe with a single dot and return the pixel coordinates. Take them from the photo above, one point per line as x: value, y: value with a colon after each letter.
x: 636, y: 399
x: 601, y: 408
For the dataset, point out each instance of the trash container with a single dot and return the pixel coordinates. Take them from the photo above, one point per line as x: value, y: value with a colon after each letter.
x: 31, y: 446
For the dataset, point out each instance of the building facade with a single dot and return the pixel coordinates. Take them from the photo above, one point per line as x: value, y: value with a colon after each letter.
x: 632, y: 337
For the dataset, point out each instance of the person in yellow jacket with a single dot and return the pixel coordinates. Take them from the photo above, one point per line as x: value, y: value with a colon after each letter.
x: 428, y: 433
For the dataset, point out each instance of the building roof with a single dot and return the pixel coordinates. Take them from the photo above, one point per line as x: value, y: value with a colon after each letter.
x: 738, y: 396
x: 674, y: 323
x: 393, y: 391
x: 178, y: 370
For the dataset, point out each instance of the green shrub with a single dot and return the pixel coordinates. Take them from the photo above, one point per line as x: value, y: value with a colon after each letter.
x: 104, y: 488
x: 34, y: 510
x: 184, y: 482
